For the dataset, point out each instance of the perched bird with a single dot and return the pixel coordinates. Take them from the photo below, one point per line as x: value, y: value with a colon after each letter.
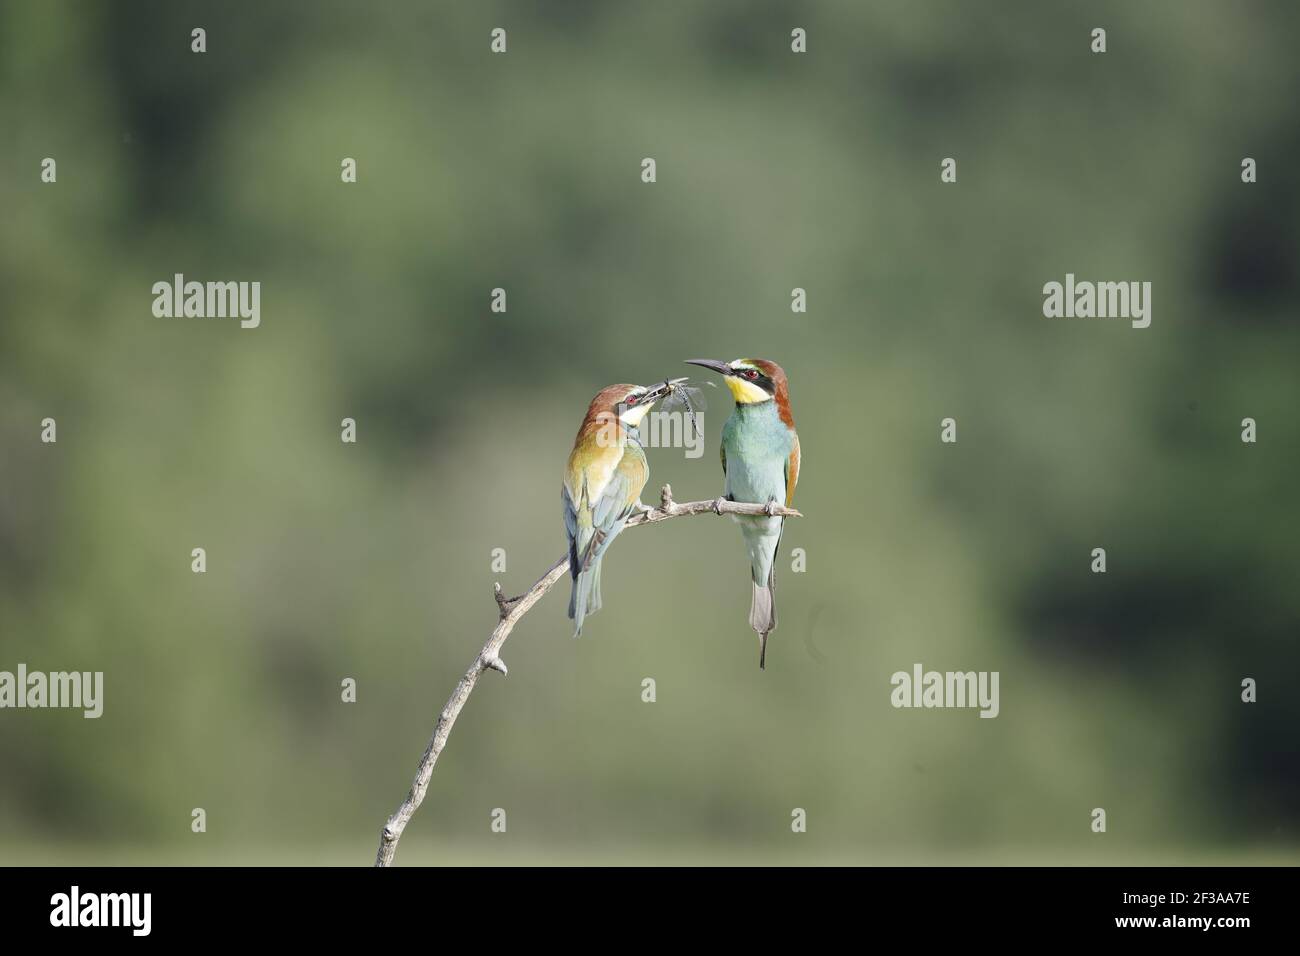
x: 760, y: 462
x: 602, y: 485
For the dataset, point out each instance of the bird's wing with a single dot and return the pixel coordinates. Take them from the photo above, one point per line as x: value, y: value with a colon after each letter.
x: 570, y: 511
x: 624, y: 487
x: 602, y: 482
x: 722, y: 453
x: 589, y: 468
x: 792, y: 472
x: 578, y: 537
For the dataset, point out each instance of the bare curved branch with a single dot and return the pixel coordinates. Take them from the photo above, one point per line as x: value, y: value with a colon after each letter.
x: 510, y: 610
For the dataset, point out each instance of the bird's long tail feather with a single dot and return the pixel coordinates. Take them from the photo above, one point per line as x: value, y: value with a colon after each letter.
x: 585, y: 598
x: 762, y: 616
x: 762, y: 605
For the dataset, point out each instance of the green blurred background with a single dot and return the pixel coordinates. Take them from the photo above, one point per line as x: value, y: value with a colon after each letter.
x: 775, y: 170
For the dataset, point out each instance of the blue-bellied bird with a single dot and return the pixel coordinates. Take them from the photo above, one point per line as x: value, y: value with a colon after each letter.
x: 760, y: 462
x: 602, y: 485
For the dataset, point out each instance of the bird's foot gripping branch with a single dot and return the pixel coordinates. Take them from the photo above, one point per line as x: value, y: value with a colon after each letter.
x: 510, y: 610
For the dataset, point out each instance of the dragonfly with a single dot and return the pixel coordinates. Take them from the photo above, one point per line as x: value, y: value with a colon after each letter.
x: 682, y: 394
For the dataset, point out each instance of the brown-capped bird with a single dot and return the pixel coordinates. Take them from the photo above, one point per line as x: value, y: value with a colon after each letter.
x: 602, y: 484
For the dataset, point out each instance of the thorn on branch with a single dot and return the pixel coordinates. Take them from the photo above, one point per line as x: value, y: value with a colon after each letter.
x: 666, y: 499
x: 504, y: 604
x: 495, y: 663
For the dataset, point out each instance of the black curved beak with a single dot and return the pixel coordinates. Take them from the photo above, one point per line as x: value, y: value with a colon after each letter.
x: 720, y: 367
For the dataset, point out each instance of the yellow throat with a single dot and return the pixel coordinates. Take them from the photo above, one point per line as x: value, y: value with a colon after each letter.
x: 746, y: 393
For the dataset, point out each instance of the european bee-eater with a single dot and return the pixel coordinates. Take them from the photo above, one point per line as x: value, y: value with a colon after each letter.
x: 602, y: 485
x: 760, y: 462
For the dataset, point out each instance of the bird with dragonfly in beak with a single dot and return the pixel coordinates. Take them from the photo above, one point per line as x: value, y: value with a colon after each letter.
x: 606, y: 472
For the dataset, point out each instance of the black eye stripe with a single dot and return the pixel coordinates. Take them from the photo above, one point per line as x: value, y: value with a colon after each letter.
x: 758, y: 378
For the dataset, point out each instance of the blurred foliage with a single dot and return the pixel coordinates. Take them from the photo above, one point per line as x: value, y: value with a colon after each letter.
x: 774, y: 171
